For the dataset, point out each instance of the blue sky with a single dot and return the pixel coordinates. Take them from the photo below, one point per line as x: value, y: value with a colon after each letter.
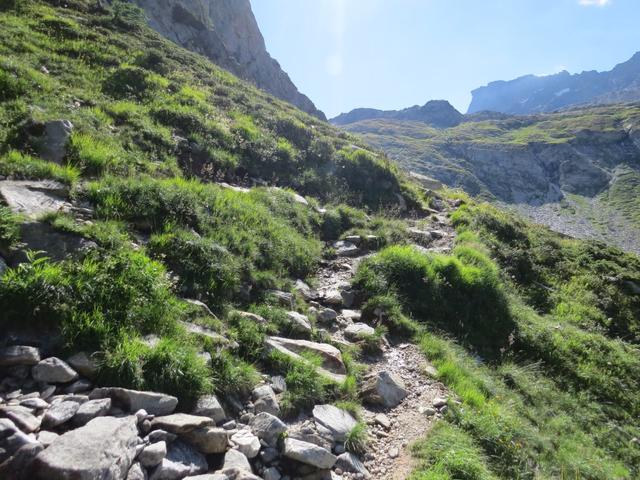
x: 392, y: 54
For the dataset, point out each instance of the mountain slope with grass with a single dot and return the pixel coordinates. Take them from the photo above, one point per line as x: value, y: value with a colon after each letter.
x: 198, y: 278
x: 575, y: 171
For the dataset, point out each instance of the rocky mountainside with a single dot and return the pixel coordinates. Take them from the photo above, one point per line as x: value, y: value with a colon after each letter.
x: 436, y: 113
x: 577, y: 171
x: 535, y: 94
x: 225, y: 31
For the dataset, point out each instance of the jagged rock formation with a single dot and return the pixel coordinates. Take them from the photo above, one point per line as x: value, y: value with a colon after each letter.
x: 534, y: 94
x: 436, y: 113
x: 227, y: 32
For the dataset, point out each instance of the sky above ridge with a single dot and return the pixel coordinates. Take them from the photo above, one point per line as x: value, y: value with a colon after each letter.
x: 392, y: 54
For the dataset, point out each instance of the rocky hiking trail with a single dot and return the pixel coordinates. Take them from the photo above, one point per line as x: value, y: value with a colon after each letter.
x: 55, y: 423
x: 396, y: 424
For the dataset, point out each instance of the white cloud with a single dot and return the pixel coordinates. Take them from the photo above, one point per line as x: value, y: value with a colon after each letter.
x: 594, y: 3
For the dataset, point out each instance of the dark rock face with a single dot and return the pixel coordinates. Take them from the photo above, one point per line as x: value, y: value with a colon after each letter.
x: 226, y: 32
x: 437, y: 113
x: 533, y: 94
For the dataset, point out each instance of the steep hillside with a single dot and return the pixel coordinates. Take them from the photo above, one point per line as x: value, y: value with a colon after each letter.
x: 534, y: 94
x: 576, y: 171
x: 226, y: 32
x: 198, y: 280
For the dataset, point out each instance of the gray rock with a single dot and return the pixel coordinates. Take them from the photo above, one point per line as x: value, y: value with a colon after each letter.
x: 59, y: 413
x: 19, y: 355
x: 85, y: 364
x: 33, y: 199
x: 308, y: 454
x: 271, y: 473
x: 305, y: 290
x: 79, y: 386
x: 236, y: 459
x: 3, y: 266
x: 209, y: 406
x: 238, y: 474
x: 208, y: 439
x: 12, y: 439
x: 180, y: 423
x: 133, y: 400
x: 384, y: 388
x: 103, y: 449
x: 339, y: 422
x: 358, y: 331
x: 160, y: 436
x: 22, y: 417
x: 299, y: 323
x: 326, y: 315
x: 181, y: 461
x: 247, y: 443
x: 278, y: 384
x: 332, y: 365
x: 52, y: 145
x: 264, y: 400
x: 382, y: 420
x: 152, y: 454
x: 346, y: 249
x: 284, y: 298
x: 439, y: 402
x: 348, y: 462
x: 18, y: 466
x: 136, y: 472
x: 53, y: 370
x: 333, y: 297
x: 268, y: 455
x: 209, y: 476
x: 90, y: 410
x: 47, y: 438
x: 351, y: 315
x: 35, y: 403
x: 348, y: 298
x: 267, y: 427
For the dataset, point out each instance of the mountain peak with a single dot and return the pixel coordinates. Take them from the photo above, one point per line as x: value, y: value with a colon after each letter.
x: 436, y: 113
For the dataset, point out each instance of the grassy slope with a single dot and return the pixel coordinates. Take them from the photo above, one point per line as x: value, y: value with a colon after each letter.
x: 555, y: 322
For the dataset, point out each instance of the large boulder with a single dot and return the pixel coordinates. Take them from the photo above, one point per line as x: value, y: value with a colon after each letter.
x: 85, y: 364
x: 12, y: 439
x: 90, y: 410
x: 134, y: 400
x: 236, y: 459
x: 209, y: 406
x: 264, y: 400
x: 208, y: 439
x: 384, y: 388
x: 60, y: 413
x: 153, y: 454
x: 19, y: 355
x: 51, y: 138
x: 247, y: 443
x: 308, y: 454
x: 18, y: 466
x: 339, y: 422
x: 348, y: 462
x: 53, y: 370
x: 267, y: 427
x: 32, y: 198
x: 332, y: 365
x: 299, y: 323
x: 103, y: 449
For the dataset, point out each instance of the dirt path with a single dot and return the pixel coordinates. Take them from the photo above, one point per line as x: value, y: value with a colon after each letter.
x: 392, y: 431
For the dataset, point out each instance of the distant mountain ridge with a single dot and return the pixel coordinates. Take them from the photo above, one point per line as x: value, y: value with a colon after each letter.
x: 536, y: 94
x: 436, y: 113
x: 226, y: 32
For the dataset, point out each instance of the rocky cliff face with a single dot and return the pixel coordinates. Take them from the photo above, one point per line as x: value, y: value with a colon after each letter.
x: 227, y: 32
x: 533, y: 94
x: 436, y: 113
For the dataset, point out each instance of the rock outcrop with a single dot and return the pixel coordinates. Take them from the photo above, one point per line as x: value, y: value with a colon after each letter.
x: 225, y: 31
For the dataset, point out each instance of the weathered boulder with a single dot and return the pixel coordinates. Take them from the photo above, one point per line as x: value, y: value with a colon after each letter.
x: 358, y: 331
x: 208, y: 439
x: 209, y: 406
x: 236, y: 474
x: 308, y: 454
x: 51, y: 138
x: 18, y: 466
x: 60, y: 413
x: 180, y: 423
x: 267, y: 427
x: 12, y: 439
x: 53, y: 370
x: 21, y: 417
x: 152, y: 454
x: 102, y: 449
x: 133, y: 400
x: 19, y: 355
x: 33, y: 199
x: 90, y: 410
x: 247, y: 443
x: 305, y: 290
x: 384, y: 388
x: 264, y: 400
x: 326, y: 315
x: 84, y: 363
x: 181, y: 461
x: 339, y: 422
x: 235, y: 459
x: 271, y: 473
x: 348, y: 462
x: 346, y: 249
x: 299, y: 323
x: 332, y: 365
